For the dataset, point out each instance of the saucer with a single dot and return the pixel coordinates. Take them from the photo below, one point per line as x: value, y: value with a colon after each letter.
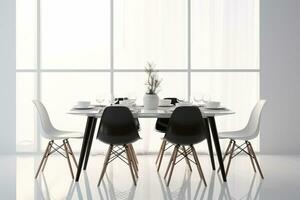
x: 79, y: 107
x: 216, y: 108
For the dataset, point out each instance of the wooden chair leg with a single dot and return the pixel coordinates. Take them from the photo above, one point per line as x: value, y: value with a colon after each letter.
x: 107, y: 157
x: 134, y: 154
x: 250, y: 155
x: 230, y: 157
x: 132, y: 160
x: 160, y: 150
x: 161, y: 154
x: 173, y: 164
x: 130, y: 164
x: 71, y: 152
x: 47, y: 155
x: 256, y: 161
x: 68, y: 158
x: 170, y: 162
x: 226, y: 153
x: 42, y: 161
x: 198, y: 164
x: 186, y: 158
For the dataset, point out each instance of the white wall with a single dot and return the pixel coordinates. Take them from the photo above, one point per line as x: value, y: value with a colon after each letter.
x: 7, y: 76
x: 280, y: 75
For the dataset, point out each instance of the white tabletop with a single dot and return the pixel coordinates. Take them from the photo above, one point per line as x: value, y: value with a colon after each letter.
x: 161, y: 112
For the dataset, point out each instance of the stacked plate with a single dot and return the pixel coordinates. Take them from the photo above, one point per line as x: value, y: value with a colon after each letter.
x: 83, y: 105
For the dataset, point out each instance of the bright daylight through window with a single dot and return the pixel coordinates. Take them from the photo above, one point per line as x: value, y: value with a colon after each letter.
x: 69, y: 50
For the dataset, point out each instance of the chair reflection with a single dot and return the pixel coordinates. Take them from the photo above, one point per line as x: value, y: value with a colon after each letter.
x: 187, y: 189
x: 76, y: 186
x: 216, y: 190
x: 43, y: 191
x: 184, y: 192
x: 225, y: 191
x: 112, y: 193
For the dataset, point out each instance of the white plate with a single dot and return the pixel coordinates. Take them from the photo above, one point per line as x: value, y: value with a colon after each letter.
x: 171, y: 105
x: 216, y: 108
x: 83, y: 108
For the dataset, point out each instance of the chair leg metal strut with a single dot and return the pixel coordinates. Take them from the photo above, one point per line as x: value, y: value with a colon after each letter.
x: 180, y: 154
x: 116, y: 151
x: 51, y: 148
x: 233, y: 150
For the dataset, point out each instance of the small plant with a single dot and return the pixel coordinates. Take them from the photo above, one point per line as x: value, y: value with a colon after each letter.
x: 153, y: 82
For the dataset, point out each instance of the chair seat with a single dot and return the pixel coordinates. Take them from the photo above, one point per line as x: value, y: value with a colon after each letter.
x: 59, y: 134
x: 236, y: 135
x: 182, y: 140
x: 119, y: 140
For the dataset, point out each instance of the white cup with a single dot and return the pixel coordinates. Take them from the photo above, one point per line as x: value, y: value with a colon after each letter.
x: 83, y: 103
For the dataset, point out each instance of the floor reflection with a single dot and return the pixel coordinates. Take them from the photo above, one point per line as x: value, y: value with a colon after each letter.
x: 184, y: 191
x: 185, y: 185
x: 108, y: 191
x: 75, y: 186
x: 253, y: 192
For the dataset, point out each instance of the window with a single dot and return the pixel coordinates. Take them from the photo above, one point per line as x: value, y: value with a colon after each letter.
x: 70, y: 50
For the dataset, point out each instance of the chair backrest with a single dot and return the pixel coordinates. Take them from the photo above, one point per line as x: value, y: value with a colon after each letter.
x: 253, y: 124
x: 117, y: 126
x: 186, y: 126
x: 44, y: 118
x: 162, y: 123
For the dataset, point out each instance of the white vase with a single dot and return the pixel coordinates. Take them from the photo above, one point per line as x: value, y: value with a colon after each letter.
x: 150, y: 101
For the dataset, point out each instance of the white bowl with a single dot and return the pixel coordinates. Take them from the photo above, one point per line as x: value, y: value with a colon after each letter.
x: 83, y: 103
x: 213, y: 104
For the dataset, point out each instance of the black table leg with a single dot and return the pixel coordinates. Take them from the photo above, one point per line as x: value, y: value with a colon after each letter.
x: 214, y: 133
x: 89, y: 144
x: 209, y: 144
x: 83, y: 146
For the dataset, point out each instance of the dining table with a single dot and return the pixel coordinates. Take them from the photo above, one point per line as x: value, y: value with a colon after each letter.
x: 93, y: 113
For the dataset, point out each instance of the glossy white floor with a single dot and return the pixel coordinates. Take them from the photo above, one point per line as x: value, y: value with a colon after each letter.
x: 281, y: 180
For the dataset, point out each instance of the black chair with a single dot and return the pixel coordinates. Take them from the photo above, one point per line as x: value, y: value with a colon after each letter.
x: 118, y: 99
x: 117, y: 128
x: 186, y: 128
x: 136, y: 120
x: 162, y: 126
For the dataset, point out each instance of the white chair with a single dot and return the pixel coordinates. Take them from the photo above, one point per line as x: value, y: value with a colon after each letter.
x: 53, y: 134
x: 250, y: 132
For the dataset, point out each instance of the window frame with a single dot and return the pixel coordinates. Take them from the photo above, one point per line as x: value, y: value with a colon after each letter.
x: 38, y: 70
